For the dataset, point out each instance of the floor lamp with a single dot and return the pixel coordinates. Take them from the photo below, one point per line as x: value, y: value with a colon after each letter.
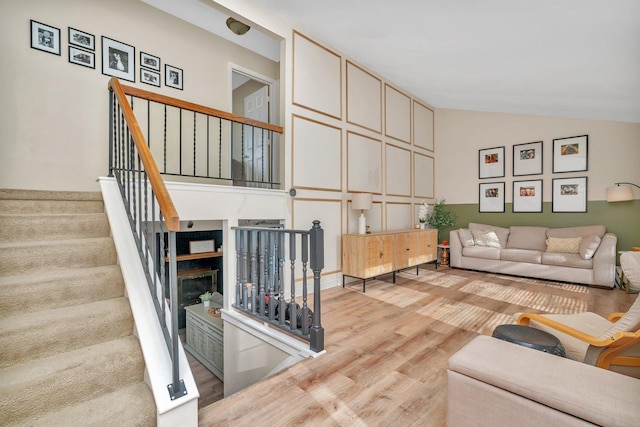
x: 620, y: 194
x: 362, y: 201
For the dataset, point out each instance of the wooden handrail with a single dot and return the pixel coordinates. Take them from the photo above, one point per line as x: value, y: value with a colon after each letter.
x: 167, y: 207
x: 179, y: 103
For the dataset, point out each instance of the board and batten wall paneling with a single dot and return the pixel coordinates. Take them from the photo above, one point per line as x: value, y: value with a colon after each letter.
x: 397, y: 171
x: 373, y: 216
x: 422, y: 126
x: 364, y: 164
x: 398, y: 216
x: 397, y: 114
x: 364, y: 98
x: 423, y: 176
x: 317, y: 155
x: 317, y: 77
x: 329, y: 213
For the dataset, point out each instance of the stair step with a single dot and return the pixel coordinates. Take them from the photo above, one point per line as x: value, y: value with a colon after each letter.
x: 36, y: 201
x: 45, y: 385
x: 135, y: 404
x: 32, y: 257
x: 44, y: 291
x: 42, y: 334
x: 20, y: 228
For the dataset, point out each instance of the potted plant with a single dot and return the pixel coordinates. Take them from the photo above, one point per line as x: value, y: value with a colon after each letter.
x: 206, y: 298
x: 439, y: 217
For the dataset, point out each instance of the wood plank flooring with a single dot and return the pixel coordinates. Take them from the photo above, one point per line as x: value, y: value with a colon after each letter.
x: 386, y: 362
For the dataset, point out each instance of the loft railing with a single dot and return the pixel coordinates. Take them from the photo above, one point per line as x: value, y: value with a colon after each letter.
x: 263, y: 273
x: 151, y: 213
x: 191, y: 140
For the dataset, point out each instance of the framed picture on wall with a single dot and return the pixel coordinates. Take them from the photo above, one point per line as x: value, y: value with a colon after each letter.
x: 570, y: 194
x: 82, y: 57
x: 491, y: 197
x: 149, y: 61
x: 570, y: 154
x: 527, y: 196
x: 118, y: 59
x: 172, y: 76
x: 527, y: 159
x: 82, y: 39
x: 491, y: 162
x: 150, y: 77
x: 45, y: 37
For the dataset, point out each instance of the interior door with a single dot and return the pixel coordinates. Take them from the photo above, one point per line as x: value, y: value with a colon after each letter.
x: 257, y: 143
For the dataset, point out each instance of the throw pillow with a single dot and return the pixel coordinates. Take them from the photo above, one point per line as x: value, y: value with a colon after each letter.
x: 486, y: 238
x: 588, y: 246
x: 466, y: 238
x: 569, y: 245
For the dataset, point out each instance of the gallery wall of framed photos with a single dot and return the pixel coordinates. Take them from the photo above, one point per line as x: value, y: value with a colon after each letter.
x: 570, y: 155
x: 117, y: 57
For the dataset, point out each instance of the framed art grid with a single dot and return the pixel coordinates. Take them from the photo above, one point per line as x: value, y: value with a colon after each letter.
x: 527, y: 196
x: 527, y: 159
x: 491, y: 197
x: 570, y: 154
x: 491, y: 162
x: 570, y: 194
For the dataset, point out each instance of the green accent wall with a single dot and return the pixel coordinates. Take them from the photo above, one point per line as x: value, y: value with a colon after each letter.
x: 621, y: 218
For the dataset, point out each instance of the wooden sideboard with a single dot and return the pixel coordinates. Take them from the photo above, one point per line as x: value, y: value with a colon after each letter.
x: 205, y: 338
x: 365, y: 256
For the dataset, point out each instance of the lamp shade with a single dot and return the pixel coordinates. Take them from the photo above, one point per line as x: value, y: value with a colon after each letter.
x: 361, y: 201
x: 619, y: 193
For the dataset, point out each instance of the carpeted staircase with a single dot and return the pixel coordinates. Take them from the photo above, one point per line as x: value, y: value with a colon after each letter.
x: 68, y: 355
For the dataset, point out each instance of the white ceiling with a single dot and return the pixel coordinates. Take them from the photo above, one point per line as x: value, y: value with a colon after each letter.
x: 566, y: 58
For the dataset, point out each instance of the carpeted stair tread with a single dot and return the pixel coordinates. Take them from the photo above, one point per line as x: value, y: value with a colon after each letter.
x: 50, y: 206
x: 48, y: 384
x: 18, y: 194
x: 41, y: 334
x: 30, y: 257
x: 48, y: 290
x: 135, y: 408
x: 35, y: 227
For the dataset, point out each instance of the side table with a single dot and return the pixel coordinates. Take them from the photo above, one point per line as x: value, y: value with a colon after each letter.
x: 443, y: 255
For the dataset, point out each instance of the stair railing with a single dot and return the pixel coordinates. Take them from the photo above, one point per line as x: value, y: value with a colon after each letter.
x: 151, y: 213
x: 261, y: 278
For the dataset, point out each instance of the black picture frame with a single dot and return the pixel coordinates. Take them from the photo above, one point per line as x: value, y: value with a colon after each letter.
x: 149, y: 61
x: 491, y: 197
x: 527, y: 196
x: 173, y: 76
x: 150, y: 77
x: 82, y: 57
x: 82, y: 39
x: 571, y: 154
x: 528, y: 158
x: 570, y: 195
x: 118, y: 59
x: 45, y: 37
x: 491, y: 162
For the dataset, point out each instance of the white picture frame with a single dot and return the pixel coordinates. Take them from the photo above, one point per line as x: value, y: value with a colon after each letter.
x: 45, y: 37
x: 149, y: 61
x: 173, y: 76
x: 570, y: 154
x: 81, y: 39
x: 527, y: 196
x: 118, y: 59
x: 82, y: 57
x: 150, y: 77
x: 491, y: 197
x: 527, y: 158
x: 569, y: 194
x: 201, y: 246
x: 491, y: 162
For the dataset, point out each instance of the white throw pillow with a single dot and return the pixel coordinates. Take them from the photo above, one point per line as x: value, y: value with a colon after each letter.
x: 570, y: 245
x: 466, y: 238
x: 589, y: 246
x: 486, y: 238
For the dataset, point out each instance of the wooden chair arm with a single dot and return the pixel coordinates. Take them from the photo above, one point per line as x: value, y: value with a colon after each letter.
x: 614, y: 317
x: 620, y: 338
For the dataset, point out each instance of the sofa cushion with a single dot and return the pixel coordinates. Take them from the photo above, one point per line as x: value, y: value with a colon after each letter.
x: 585, y: 231
x: 502, y: 233
x: 566, y: 260
x: 481, y: 252
x: 589, y: 246
x: 521, y: 255
x: 570, y: 245
x: 466, y: 238
x: 521, y: 237
x: 486, y: 238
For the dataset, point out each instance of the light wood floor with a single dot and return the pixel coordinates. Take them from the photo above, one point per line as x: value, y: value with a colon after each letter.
x: 385, y: 364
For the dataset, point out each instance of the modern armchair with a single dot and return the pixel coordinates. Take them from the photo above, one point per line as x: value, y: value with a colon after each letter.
x: 612, y: 343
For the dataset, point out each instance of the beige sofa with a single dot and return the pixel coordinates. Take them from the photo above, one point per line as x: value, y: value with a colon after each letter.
x: 491, y: 382
x: 585, y: 255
